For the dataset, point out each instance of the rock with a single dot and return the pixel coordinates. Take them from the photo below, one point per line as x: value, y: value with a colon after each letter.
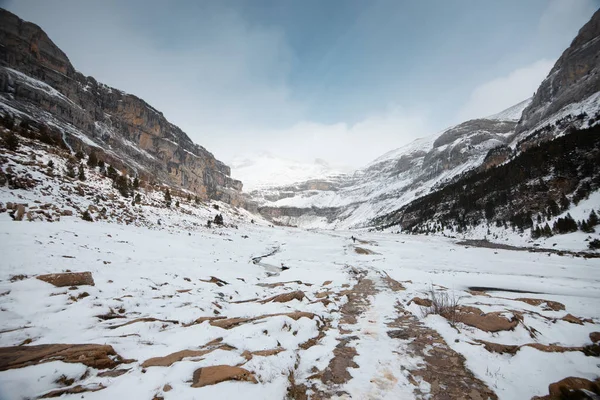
x: 177, y: 162
x: 220, y: 373
x: 167, y: 388
x: 327, y: 283
x: 563, y: 387
x: 20, y: 212
x: 170, y: 359
x: 93, y: 355
x: 490, y: 322
x: 572, y: 319
x: 595, y: 337
x: 66, y: 213
x: 546, y: 304
x: 285, y: 297
x: 73, y: 390
x: 420, y: 302
x: 68, y: 279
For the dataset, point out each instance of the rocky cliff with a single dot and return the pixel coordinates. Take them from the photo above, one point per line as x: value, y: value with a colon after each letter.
x: 574, y: 79
x: 39, y: 83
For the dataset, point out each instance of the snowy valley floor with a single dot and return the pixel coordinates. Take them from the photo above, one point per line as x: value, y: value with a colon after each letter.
x: 339, y: 323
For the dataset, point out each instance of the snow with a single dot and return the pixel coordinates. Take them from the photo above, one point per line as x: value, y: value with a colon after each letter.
x: 151, y: 265
x: 266, y: 170
x: 512, y: 113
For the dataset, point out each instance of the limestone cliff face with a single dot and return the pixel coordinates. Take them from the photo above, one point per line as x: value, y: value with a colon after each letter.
x: 37, y: 81
x: 573, y: 79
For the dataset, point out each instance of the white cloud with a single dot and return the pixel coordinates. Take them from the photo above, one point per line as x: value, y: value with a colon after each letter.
x: 340, y: 144
x: 500, y: 93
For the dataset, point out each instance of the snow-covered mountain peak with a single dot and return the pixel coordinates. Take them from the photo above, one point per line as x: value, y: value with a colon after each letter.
x: 264, y: 170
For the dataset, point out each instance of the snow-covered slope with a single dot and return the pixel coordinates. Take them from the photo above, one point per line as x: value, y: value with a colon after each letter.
x: 267, y: 170
x: 394, y: 179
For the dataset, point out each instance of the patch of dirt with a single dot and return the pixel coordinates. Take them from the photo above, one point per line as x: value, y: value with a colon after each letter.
x: 261, y: 353
x: 92, y: 355
x: 443, y: 368
x: 220, y: 373
x: 68, y: 279
x: 336, y: 372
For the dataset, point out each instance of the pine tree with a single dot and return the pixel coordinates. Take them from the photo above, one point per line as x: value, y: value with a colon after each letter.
x: 564, y: 203
x: 138, y: 198
x: 70, y: 170
x: 168, y: 197
x: 136, y: 183
x: 593, y: 219
x: 177, y: 203
x: 92, y: 161
x: 197, y: 200
x: 11, y: 141
x: 51, y: 164
x: 81, y: 175
x: 111, y: 172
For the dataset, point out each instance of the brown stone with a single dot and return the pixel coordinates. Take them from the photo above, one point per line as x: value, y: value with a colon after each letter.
x: 221, y: 373
x: 421, y: 302
x: 167, y: 388
x: 564, y: 386
x: 572, y: 319
x: 490, y: 322
x: 72, y: 390
x: 172, y: 358
x: 93, y: 355
x: 66, y: 213
x: 68, y: 278
x: 285, y: 297
x: 547, y: 304
x: 595, y: 337
x: 327, y: 283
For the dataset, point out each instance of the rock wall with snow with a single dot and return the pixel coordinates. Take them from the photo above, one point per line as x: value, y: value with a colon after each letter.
x: 39, y: 83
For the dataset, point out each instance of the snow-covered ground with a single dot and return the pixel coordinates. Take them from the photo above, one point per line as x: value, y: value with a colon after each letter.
x: 165, y: 273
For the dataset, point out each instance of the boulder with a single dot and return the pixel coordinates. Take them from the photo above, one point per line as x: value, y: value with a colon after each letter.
x: 68, y: 279
x: 595, y: 337
x: 564, y: 387
x: 220, y: 373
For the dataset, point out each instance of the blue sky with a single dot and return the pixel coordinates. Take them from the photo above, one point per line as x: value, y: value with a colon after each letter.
x: 344, y: 81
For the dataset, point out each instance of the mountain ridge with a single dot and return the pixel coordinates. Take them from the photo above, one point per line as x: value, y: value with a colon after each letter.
x: 123, y: 128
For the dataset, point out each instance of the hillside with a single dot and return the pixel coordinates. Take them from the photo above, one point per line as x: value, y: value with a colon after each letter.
x: 39, y: 85
x: 548, y: 167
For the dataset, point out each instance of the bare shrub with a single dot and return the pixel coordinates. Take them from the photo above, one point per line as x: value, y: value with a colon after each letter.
x: 443, y: 303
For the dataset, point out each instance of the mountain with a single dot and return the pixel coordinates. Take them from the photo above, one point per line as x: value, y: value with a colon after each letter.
x: 266, y: 170
x: 550, y: 164
x: 392, y: 180
x: 39, y: 85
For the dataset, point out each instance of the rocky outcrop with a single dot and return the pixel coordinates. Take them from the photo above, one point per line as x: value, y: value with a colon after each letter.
x: 574, y: 78
x: 38, y: 82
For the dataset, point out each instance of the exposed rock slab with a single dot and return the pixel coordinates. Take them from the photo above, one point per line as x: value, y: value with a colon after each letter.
x: 220, y: 373
x: 93, y: 355
x: 62, y: 279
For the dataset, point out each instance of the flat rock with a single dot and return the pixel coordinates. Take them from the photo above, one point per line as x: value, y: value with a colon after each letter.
x: 68, y: 279
x: 421, y: 302
x: 93, y: 355
x: 220, y: 373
